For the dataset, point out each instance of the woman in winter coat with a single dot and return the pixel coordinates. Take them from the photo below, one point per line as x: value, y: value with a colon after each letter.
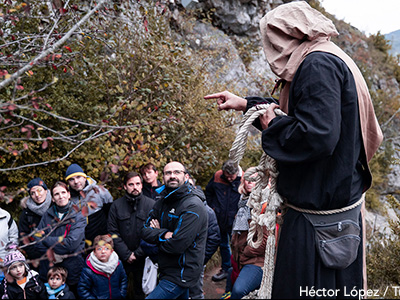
x: 249, y: 260
x: 104, y: 276
x: 34, y: 208
x: 62, y: 229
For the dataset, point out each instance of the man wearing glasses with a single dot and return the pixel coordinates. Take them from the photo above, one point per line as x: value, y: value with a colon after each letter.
x: 178, y: 225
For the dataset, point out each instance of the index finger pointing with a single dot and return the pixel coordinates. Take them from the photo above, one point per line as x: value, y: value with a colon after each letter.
x: 213, y: 96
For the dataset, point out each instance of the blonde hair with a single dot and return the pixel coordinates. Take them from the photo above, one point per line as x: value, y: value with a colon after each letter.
x: 106, y: 238
x: 241, y: 188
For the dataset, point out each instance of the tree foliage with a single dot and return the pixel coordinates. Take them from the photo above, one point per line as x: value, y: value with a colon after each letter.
x: 118, y: 93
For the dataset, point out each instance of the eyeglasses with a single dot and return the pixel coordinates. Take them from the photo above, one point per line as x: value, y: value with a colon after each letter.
x: 175, y: 172
x: 106, y: 247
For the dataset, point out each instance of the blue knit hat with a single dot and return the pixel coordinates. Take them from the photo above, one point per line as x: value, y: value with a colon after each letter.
x: 36, y: 181
x: 74, y: 170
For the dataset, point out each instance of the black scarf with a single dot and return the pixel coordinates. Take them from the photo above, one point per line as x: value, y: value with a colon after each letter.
x: 133, y: 200
x: 62, y: 209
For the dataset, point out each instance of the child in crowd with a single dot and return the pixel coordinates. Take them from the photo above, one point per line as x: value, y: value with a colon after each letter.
x: 56, y: 286
x: 20, y: 282
x: 103, y: 277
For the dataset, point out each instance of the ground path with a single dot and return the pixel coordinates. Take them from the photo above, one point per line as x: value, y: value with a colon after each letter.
x: 213, y: 290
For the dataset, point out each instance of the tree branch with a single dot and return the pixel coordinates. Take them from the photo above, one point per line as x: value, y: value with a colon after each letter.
x: 28, y: 66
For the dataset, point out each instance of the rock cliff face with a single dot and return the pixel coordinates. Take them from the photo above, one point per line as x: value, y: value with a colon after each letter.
x: 235, y: 24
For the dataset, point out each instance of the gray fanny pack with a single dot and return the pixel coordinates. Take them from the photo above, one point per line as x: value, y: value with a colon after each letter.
x: 337, y: 237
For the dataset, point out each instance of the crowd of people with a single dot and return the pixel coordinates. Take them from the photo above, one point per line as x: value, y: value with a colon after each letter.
x: 56, y: 252
x: 321, y: 145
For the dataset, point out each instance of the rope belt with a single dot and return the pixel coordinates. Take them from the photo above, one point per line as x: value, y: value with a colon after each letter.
x: 325, y: 212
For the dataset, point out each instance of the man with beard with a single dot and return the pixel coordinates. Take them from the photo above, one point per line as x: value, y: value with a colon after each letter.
x: 126, y: 218
x: 178, y: 224
x: 88, y: 196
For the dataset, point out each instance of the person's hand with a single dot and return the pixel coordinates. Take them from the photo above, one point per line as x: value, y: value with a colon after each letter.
x: 168, y: 235
x: 227, y: 100
x: 268, y: 116
x: 154, y: 224
x: 131, y: 258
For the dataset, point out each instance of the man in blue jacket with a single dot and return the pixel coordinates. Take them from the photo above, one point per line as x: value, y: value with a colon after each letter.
x: 223, y: 197
x: 178, y: 224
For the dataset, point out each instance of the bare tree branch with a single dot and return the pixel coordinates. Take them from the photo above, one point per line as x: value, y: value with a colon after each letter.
x: 28, y: 66
x: 93, y: 136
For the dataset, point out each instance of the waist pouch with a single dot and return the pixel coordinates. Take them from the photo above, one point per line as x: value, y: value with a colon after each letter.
x: 337, y: 237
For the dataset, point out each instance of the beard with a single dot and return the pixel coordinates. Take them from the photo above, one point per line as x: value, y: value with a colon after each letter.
x: 134, y: 193
x: 174, y: 183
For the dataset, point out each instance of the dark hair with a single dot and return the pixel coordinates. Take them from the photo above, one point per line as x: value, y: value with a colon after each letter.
x: 230, y: 167
x: 61, y: 271
x: 59, y: 183
x: 106, y: 238
x: 147, y: 166
x: 131, y: 175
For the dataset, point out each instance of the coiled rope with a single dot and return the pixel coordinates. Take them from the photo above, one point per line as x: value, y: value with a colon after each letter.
x: 266, y: 173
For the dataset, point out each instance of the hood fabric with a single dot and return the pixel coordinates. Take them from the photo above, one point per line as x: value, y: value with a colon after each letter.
x: 289, y: 33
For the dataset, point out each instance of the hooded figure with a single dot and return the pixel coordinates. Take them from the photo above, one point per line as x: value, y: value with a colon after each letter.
x: 321, y: 147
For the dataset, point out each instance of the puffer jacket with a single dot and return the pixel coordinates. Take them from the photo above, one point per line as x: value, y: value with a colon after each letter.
x: 126, y: 219
x: 95, y: 284
x: 223, y: 197
x: 72, y: 229
x: 97, y: 213
x: 180, y: 258
x: 34, y: 288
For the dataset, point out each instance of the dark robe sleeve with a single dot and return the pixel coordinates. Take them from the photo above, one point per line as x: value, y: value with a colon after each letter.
x: 312, y: 128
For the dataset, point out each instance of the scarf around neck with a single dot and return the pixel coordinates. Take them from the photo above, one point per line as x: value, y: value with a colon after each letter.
x: 41, y: 208
x: 133, y: 200
x: 61, y: 211
x: 52, y: 292
x: 293, y: 30
x: 241, y: 221
x: 105, y: 267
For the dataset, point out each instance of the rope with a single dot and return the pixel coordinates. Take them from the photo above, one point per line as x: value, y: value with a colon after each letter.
x: 326, y: 212
x: 266, y: 173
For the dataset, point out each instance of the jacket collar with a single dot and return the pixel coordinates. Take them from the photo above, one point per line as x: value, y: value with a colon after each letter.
x: 176, y: 194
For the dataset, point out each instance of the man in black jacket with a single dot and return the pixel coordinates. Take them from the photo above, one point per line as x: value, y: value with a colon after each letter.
x: 178, y: 224
x: 223, y: 197
x: 126, y: 218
